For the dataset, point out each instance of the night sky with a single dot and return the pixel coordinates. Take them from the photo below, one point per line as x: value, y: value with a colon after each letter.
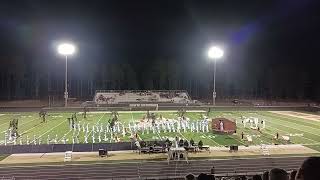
x: 271, y: 47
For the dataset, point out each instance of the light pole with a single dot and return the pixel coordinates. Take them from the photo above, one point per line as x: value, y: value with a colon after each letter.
x: 66, y: 49
x: 214, y: 53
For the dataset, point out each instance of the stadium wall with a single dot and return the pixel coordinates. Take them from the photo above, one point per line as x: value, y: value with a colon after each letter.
x: 171, y: 107
x: 49, y: 148
x: 205, y: 108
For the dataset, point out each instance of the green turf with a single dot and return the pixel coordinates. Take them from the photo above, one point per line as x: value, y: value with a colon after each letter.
x: 300, y: 131
x: 3, y: 156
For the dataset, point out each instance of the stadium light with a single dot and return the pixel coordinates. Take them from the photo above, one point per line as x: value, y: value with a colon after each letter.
x: 66, y: 49
x: 214, y: 53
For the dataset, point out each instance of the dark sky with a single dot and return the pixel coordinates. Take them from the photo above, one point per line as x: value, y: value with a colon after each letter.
x: 146, y: 29
x: 264, y: 33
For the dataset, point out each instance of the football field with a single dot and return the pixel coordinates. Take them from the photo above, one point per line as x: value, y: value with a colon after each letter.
x: 56, y: 129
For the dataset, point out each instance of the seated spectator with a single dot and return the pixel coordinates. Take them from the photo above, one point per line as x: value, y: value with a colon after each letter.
x: 256, y: 177
x: 310, y: 169
x: 211, y: 177
x: 203, y: 176
x: 278, y: 174
x: 293, y: 175
x: 243, y: 178
x: 265, y: 175
x: 190, y: 177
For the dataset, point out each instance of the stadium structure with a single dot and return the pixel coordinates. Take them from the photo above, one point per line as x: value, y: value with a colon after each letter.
x: 103, y: 97
x: 155, y: 134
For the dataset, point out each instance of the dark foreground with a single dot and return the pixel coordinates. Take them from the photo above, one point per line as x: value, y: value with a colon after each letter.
x: 148, y: 170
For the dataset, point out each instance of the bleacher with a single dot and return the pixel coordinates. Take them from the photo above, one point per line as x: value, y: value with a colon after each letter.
x: 126, y: 96
x: 226, y: 169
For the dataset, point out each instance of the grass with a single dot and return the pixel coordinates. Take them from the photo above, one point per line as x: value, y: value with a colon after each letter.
x: 3, y: 156
x: 301, y: 131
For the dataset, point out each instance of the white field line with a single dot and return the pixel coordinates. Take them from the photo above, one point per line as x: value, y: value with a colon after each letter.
x: 96, y: 123
x: 277, y: 122
x: 28, y: 122
x: 63, y: 135
x: 6, y: 123
x: 22, y: 124
x: 211, y: 140
x: 4, y: 119
x: 183, y: 136
x: 301, y: 125
x: 29, y: 129
x: 236, y: 140
x: 271, y: 122
x: 305, y: 129
x: 272, y: 135
x: 264, y: 132
x: 52, y: 128
x: 159, y: 135
x: 312, y: 144
x: 305, y: 116
x: 288, y: 132
x: 283, y: 114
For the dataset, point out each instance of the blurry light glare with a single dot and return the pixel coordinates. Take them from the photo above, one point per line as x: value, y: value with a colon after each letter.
x: 66, y: 49
x: 215, y: 52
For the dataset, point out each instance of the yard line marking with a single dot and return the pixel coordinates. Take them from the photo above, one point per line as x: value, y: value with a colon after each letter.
x: 52, y: 128
x: 285, y: 116
x: 131, y: 116
x: 281, y: 124
x: 5, y: 119
x: 301, y: 125
x: 289, y: 133
x: 296, y: 129
x: 313, y: 144
x: 237, y: 140
x: 63, y: 135
x: 271, y: 121
x: 96, y: 123
x: 212, y: 140
x: 261, y: 136
x: 30, y: 128
x: 159, y: 135
x: 23, y: 124
x: 300, y: 115
x: 183, y: 136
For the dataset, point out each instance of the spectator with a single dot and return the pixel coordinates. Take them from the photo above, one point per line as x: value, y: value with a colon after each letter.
x: 309, y: 170
x: 190, y: 177
x: 203, y: 176
x: 211, y: 177
x: 278, y: 174
x: 213, y: 170
x: 243, y: 177
x: 293, y: 175
x: 256, y: 177
x: 265, y: 175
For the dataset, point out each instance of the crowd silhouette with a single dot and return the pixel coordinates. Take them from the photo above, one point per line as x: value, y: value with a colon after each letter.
x: 309, y: 170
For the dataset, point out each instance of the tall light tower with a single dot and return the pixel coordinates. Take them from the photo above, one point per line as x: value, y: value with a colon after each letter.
x: 66, y: 49
x: 214, y: 53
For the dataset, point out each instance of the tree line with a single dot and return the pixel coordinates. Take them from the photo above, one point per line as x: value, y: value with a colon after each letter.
x: 24, y: 79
